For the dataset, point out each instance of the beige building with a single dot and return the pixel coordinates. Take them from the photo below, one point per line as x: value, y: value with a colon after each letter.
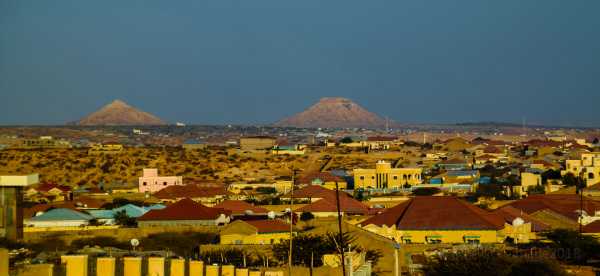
x: 257, y: 143
x: 105, y: 149
x: 588, y: 167
x: 528, y: 179
x: 386, y: 177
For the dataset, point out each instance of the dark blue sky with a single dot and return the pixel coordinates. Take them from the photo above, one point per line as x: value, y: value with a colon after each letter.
x: 223, y: 61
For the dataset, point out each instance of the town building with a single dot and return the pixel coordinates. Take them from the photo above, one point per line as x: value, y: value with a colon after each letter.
x: 433, y: 220
x: 560, y: 210
x: 529, y: 180
x: 11, y: 198
x: 108, y: 148
x: 587, y: 167
x: 289, y: 150
x: 151, y: 182
x: 239, y: 208
x: 44, y: 142
x: 206, y: 195
x: 386, y: 177
x: 324, y: 179
x: 327, y: 207
x: 59, y: 217
x: 257, y: 143
x: 313, y: 193
x: 255, y: 232
x: 185, y: 212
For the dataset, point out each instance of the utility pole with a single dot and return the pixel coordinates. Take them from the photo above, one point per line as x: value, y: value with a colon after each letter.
x: 341, y: 235
x: 580, y: 186
x: 396, y: 272
x: 291, y: 221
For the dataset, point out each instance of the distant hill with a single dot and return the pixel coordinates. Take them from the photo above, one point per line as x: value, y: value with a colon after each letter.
x: 119, y: 113
x: 334, y: 113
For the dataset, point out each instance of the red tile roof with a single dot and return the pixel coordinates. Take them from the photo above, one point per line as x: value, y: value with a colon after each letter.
x: 45, y: 187
x: 437, y: 213
x: 593, y: 227
x: 88, y: 202
x: 324, y: 176
x: 185, y: 209
x: 315, y: 192
x: 453, y: 161
x: 510, y: 213
x: 269, y: 226
x: 492, y: 149
x: 347, y: 205
x: 33, y: 210
x: 190, y: 191
x: 238, y: 207
x: 565, y: 205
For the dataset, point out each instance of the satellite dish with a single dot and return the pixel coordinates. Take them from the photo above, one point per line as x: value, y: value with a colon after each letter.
x: 518, y: 222
x: 271, y: 215
x: 135, y: 242
x: 249, y: 212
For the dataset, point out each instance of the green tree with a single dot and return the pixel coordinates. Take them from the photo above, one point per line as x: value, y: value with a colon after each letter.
x: 490, y: 262
x: 306, y: 216
x: 573, y: 247
x: 550, y: 174
x: 346, y: 140
x: 121, y: 218
x: 570, y: 179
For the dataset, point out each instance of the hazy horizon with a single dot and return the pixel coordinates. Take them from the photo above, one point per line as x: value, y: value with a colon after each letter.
x: 228, y: 62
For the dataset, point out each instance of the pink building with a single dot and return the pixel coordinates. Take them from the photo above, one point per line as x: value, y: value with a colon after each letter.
x: 151, y: 182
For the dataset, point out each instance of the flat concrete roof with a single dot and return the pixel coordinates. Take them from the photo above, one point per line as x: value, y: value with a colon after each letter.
x: 19, y: 180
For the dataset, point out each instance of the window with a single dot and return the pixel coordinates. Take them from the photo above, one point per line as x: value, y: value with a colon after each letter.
x: 395, y: 177
x: 165, y: 183
x: 272, y: 241
x: 362, y: 178
x: 473, y: 241
x: 590, y: 175
x: 434, y: 239
x: 145, y: 184
x: 372, y: 177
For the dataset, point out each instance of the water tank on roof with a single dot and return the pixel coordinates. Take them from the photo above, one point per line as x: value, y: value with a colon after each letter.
x: 518, y: 222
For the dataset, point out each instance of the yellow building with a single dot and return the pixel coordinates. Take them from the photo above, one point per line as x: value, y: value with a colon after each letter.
x: 384, y: 176
x: 255, y: 232
x: 105, y: 149
x: 324, y: 179
x: 588, y: 167
x: 433, y: 220
x: 528, y: 179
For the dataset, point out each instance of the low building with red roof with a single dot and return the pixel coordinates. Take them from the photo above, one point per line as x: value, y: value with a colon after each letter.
x: 327, y: 207
x: 324, y: 179
x: 565, y: 206
x: 255, y: 232
x: 241, y: 208
x: 312, y: 193
x: 430, y: 219
x: 185, y: 212
x: 205, y: 195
